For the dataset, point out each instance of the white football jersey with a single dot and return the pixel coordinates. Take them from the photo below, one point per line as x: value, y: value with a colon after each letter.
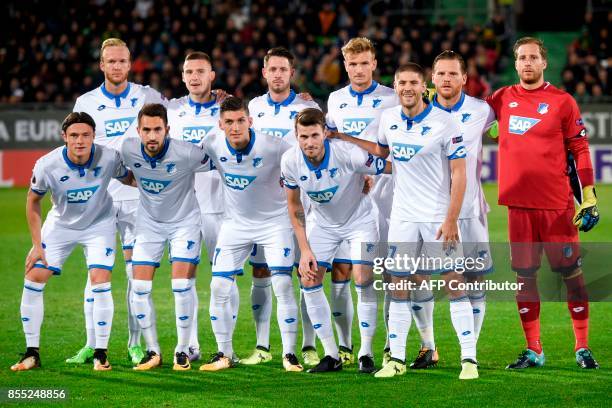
x: 335, y: 186
x: 420, y: 149
x: 116, y: 118
x: 358, y: 113
x: 251, y: 176
x: 166, y: 181
x: 474, y: 117
x: 278, y: 118
x: 79, y: 193
x: 192, y: 122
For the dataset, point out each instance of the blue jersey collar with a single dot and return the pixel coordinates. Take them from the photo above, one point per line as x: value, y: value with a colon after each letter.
x: 453, y: 108
x: 418, y: 118
x: 158, y: 157
x: 242, y: 152
x: 80, y: 167
x: 116, y: 98
x: 277, y: 105
x: 324, y: 163
x: 359, y: 95
x: 199, y: 105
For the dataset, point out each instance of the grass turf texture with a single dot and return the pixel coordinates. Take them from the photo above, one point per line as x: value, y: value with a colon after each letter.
x: 560, y: 382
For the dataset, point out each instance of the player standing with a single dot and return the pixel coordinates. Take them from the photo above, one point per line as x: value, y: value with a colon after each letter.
x: 77, y: 176
x: 249, y: 163
x: 274, y: 113
x: 167, y: 213
x: 538, y: 125
x: 192, y: 118
x: 114, y: 106
x: 330, y: 173
x: 355, y: 110
x: 474, y: 118
x: 428, y: 156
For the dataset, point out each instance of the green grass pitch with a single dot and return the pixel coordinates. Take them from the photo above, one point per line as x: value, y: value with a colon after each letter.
x: 560, y: 382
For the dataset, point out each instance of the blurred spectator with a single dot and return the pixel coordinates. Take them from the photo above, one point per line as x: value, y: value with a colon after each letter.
x: 52, y: 53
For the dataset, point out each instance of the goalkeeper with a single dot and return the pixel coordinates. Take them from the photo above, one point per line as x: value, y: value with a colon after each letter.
x: 538, y: 127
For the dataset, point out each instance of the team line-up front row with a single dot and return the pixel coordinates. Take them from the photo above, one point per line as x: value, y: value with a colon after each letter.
x: 187, y: 154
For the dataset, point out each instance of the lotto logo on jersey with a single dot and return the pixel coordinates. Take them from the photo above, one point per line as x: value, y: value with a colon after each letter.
x: 404, y: 152
x: 324, y: 196
x: 195, y: 134
x: 519, y: 125
x: 278, y: 132
x: 238, y: 182
x: 81, y: 195
x: 153, y: 186
x: 354, y: 127
x: 117, y: 127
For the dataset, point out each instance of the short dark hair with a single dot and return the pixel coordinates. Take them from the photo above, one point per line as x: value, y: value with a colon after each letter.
x: 233, y: 104
x: 154, y: 110
x: 78, y: 117
x: 310, y: 117
x: 411, y: 67
x: 530, y: 40
x: 198, y: 55
x: 450, y: 55
x: 279, y: 52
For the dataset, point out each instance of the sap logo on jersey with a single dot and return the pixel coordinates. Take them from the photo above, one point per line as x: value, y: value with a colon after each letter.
x: 354, y: 127
x: 81, y: 195
x: 324, y: 196
x: 278, y: 132
x: 195, y: 134
x: 238, y: 182
x: 117, y: 127
x: 519, y: 125
x: 404, y: 152
x: 153, y: 186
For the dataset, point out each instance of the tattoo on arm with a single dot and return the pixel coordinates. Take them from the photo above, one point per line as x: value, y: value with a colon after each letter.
x: 299, y: 214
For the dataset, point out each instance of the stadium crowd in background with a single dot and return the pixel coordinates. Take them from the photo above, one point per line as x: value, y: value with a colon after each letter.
x: 52, y: 54
x: 588, y: 72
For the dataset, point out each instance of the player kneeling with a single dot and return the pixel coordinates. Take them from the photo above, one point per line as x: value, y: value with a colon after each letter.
x: 77, y: 175
x: 331, y: 174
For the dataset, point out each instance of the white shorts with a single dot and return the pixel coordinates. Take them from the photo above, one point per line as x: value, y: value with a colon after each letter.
x: 257, y: 258
x: 382, y: 198
x: 211, y: 223
x: 475, y: 241
x: 98, y: 244
x: 184, y: 240
x: 361, y: 239
x: 416, y: 245
x: 236, y: 241
x: 126, y: 221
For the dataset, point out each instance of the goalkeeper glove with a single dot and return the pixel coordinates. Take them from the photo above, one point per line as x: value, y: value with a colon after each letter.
x: 493, y: 131
x: 587, y: 214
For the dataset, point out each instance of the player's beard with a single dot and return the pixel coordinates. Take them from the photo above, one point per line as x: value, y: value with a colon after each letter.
x: 113, y: 82
x: 156, y: 146
x: 279, y: 88
x: 534, y: 79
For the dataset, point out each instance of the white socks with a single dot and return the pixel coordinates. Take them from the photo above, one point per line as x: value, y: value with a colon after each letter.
x: 133, y: 326
x: 478, y: 300
x: 286, y: 311
x: 463, y: 322
x: 183, y: 310
x: 400, y: 319
x: 367, y: 311
x: 261, y: 303
x: 221, y: 313
x: 32, y: 311
x: 235, y: 301
x: 193, y: 336
x: 145, y: 312
x: 422, y: 311
x: 88, y: 306
x: 103, y: 309
x: 342, y: 310
x: 386, y: 304
x: 308, y: 333
x: 320, y: 315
